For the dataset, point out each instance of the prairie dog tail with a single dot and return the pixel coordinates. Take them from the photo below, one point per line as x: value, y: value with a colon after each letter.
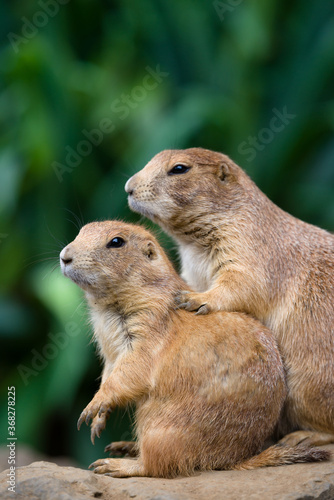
x: 284, y: 455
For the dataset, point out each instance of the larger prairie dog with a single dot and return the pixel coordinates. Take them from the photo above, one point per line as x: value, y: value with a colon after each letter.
x: 240, y: 252
x: 208, y: 390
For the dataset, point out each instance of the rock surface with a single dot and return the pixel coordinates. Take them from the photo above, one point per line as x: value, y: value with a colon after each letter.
x: 48, y: 481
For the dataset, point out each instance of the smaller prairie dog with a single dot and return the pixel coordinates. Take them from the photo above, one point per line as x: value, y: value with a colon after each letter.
x: 240, y: 252
x: 208, y: 390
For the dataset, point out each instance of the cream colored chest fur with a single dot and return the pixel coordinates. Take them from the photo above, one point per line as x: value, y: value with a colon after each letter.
x: 110, y: 334
x: 196, y: 267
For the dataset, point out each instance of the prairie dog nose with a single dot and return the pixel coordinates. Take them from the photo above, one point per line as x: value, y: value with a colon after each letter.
x: 129, y: 186
x: 66, y: 256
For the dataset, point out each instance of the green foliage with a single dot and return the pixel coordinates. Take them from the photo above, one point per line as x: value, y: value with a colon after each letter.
x: 223, y: 72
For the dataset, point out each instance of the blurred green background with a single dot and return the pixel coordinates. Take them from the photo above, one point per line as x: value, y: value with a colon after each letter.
x: 90, y: 91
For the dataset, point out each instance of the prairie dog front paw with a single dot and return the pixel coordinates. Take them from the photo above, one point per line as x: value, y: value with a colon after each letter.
x: 98, y: 409
x: 97, y: 426
x: 192, y: 301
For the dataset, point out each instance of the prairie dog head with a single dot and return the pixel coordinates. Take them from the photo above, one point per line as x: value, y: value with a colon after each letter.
x: 178, y: 184
x: 111, y: 258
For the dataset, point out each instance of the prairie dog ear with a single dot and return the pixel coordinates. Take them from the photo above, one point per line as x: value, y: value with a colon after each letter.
x: 226, y: 171
x: 150, y: 251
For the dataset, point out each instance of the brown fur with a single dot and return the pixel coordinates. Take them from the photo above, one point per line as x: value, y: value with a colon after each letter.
x: 208, y: 390
x: 240, y: 252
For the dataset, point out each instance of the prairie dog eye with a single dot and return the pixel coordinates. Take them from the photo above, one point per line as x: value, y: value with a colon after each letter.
x: 115, y: 243
x: 179, y: 169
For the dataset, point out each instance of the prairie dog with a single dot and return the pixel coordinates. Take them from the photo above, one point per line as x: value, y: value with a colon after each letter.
x: 208, y: 390
x: 240, y: 252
